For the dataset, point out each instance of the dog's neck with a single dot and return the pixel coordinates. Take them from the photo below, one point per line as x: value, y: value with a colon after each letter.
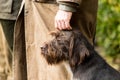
x: 87, y: 64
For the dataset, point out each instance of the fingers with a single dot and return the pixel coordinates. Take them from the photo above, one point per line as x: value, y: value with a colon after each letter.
x: 62, y: 25
x: 62, y: 20
x: 67, y: 26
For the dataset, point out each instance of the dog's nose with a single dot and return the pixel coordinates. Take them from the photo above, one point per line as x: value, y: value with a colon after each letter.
x: 42, y: 48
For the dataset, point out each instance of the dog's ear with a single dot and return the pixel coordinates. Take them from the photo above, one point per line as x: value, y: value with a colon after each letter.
x: 83, y: 51
x: 53, y: 33
x: 79, y: 53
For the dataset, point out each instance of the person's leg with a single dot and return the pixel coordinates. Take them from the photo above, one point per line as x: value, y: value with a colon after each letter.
x: 8, y: 30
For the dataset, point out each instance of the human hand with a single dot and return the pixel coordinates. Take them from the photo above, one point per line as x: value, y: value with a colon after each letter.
x: 62, y: 20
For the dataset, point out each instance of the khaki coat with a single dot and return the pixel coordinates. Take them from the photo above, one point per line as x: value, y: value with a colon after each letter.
x: 39, y: 21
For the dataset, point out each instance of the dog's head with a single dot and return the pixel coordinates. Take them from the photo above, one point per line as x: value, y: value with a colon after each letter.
x: 66, y: 45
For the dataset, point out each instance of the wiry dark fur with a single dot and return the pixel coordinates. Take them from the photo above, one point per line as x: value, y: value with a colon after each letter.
x: 85, y: 62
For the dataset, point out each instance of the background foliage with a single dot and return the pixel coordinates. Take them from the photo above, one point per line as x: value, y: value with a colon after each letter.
x: 108, y: 27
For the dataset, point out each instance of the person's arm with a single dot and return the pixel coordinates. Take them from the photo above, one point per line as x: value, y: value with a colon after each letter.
x: 64, y: 14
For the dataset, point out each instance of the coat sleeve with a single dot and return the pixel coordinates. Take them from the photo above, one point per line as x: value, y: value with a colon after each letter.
x: 74, y: 1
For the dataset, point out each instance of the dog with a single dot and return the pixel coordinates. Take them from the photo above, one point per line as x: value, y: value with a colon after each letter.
x: 85, y: 62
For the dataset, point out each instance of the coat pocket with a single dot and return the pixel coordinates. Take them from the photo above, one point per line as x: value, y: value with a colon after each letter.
x: 6, y: 6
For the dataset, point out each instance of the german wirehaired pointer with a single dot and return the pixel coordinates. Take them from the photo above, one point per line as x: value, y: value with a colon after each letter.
x: 85, y: 62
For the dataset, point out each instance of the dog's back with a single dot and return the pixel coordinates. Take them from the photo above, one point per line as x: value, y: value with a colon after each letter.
x: 94, y: 67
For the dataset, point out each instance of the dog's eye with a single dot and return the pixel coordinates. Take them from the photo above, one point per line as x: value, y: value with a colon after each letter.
x: 62, y: 38
x: 58, y: 39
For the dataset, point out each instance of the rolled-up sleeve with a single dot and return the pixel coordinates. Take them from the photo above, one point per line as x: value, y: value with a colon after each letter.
x: 74, y: 1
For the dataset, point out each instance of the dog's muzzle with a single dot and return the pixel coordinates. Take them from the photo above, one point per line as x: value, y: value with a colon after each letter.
x: 44, y: 48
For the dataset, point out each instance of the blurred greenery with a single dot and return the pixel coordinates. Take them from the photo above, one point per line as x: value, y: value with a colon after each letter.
x: 108, y: 27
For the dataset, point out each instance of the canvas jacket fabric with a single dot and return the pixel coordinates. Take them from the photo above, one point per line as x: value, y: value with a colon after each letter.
x: 9, y: 9
x: 32, y: 30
